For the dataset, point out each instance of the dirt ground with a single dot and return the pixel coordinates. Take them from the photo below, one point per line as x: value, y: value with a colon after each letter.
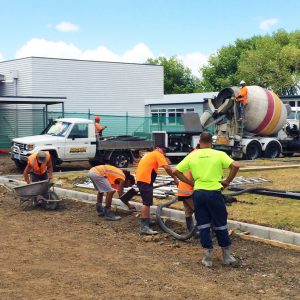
x: 73, y: 254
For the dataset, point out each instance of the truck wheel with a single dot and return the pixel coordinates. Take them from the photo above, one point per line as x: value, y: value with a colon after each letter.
x: 119, y: 159
x: 253, y: 150
x: 20, y: 165
x: 273, y: 150
x: 54, y: 161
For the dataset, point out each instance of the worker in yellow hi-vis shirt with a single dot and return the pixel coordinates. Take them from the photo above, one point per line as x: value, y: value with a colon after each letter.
x: 207, y: 166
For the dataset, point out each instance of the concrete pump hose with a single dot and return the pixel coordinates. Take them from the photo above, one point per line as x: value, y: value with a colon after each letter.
x: 184, y: 237
x: 165, y: 228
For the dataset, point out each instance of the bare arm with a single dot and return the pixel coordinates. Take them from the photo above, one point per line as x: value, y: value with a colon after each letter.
x: 169, y: 171
x: 234, y: 168
x: 26, y: 173
x: 183, y: 178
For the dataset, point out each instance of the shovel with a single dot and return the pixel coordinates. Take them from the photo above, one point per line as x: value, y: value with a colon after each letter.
x: 133, y: 192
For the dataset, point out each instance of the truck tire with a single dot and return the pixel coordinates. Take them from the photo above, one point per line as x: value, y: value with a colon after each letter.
x: 253, y: 150
x: 20, y: 165
x: 273, y: 150
x: 54, y: 161
x: 120, y: 159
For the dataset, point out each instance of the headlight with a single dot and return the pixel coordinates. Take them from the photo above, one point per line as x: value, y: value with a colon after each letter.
x: 29, y: 147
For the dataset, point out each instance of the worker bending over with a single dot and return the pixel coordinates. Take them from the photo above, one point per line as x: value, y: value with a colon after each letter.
x: 242, y: 99
x: 39, y: 167
x: 207, y: 166
x: 109, y: 179
x: 98, y: 128
x: 146, y: 173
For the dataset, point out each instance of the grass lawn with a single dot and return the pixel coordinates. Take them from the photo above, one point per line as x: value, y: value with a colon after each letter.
x: 276, y: 212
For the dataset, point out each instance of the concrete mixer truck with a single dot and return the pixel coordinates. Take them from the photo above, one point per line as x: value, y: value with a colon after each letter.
x: 262, y: 133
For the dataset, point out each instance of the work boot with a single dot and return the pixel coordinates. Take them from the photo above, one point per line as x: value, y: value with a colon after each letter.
x: 228, y: 259
x: 145, y: 229
x: 152, y: 223
x: 189, y: 223
x: 207, y: 259
x: 109, y: 215
x: 99, y: 210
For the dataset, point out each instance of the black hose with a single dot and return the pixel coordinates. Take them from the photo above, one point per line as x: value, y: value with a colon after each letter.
x: 184, y: 237
x: 165, y: 228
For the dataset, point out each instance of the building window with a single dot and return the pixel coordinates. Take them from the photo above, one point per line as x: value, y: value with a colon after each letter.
x: 173, y: 115
x: 158, y: 116
x: 190, y: 110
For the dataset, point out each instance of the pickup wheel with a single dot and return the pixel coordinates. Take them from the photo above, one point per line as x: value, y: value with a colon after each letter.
x: 119, y: 159
x: 273, y: 150
x: 20, y: 165
x: 54, y: 161
x: 253, y: 150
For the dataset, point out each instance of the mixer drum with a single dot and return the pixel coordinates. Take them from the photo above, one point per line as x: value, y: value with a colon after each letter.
x: 265, y: 114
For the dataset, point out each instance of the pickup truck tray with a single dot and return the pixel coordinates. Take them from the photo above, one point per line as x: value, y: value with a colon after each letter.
x: 124, y: 145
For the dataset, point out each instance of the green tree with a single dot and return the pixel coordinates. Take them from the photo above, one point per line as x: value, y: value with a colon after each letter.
x: 178, y: 79
x: 269, y: 61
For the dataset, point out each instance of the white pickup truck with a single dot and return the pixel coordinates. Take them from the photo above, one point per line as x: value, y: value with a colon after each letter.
x: 73, y: 139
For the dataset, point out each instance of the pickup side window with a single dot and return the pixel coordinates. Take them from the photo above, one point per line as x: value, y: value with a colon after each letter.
x: 79, y: 131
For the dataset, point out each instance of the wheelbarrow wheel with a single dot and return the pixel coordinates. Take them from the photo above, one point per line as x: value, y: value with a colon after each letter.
x: 51, y: 205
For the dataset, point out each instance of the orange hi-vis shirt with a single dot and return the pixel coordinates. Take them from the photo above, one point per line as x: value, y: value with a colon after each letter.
x: 98, y: 129
x: 185, y: 189
x: 148, y: 163
x: 110, y: 172
x: 33, y: 162
x: 243, y: 95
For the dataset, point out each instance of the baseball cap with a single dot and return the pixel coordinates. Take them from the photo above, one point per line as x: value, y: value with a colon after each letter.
x: 242, y: 82
x: 41, y: 156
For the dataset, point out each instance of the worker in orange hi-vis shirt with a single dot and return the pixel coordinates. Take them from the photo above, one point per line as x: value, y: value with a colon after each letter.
x: 98, y: 128
x: 109, y: 179
x: 145, y: 176
x: 242, y: 100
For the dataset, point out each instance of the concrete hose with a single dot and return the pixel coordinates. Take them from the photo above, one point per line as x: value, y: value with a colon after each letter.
x: 165, y: 228
x: 184, y: 237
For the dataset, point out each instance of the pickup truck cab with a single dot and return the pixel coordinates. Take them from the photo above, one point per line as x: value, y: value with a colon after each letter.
x: 74, y: 139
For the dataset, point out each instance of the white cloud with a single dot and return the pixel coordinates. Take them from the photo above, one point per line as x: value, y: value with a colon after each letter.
x: 41, y: 47
x: 138, y: 54
x: 1, y: 57
x: 67, y: 27
x: 268, y: 23
x: 194, y: 61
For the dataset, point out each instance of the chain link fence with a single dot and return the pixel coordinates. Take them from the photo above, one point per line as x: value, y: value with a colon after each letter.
x: 25, y: 122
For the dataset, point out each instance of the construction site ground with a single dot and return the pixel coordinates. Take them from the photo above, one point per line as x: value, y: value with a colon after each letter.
x: 73, y: 254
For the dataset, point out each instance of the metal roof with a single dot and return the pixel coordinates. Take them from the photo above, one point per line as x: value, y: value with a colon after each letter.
x: 31, y: 100
x: 181, y: 98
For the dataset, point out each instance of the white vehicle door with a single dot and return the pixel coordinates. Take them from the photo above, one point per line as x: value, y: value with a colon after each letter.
x: 78, y: 143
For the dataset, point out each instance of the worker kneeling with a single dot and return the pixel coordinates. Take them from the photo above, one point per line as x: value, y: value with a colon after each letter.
x: 109, y: 179
x: 39, y: 167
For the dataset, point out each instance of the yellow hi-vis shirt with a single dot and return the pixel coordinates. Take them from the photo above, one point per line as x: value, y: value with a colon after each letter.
x: 207, y: 167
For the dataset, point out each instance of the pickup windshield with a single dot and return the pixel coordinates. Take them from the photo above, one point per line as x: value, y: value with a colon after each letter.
x: 58, y: 128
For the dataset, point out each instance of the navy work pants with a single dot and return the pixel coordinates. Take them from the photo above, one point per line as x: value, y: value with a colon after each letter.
x: 210, y: 210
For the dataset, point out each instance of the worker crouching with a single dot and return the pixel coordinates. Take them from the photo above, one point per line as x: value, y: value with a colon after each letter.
x: 109, y: 179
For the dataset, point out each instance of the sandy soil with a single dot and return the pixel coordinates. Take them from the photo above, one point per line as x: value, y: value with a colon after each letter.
x: 73, y: 254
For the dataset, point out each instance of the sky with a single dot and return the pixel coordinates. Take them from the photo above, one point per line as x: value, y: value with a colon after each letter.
x: 134, y: 30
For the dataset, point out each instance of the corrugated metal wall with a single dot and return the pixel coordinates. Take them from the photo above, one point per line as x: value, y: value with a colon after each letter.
x: 25, y: 122
x: 105, y: 87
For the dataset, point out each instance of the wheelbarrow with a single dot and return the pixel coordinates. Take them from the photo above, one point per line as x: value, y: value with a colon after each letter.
x: 39, y: 193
